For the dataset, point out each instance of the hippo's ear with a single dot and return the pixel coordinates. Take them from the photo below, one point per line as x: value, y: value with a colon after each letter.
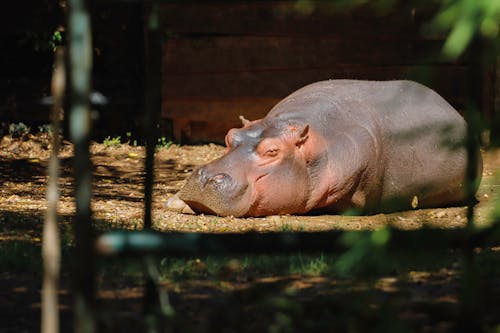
x: 301, y: 134
x: 244, y: 121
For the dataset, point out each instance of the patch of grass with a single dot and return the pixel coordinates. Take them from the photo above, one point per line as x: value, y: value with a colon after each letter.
x: 311, y: 265
x: 285, y: 227
x: 112, y: 142
x: 181, y: 269
x: 372, y: 265
x: 163, y: 142
x: 245, y: 266
x: 129, y: 139
x: 18, y: 130
x: 45, y: 128
x: 121, y: 269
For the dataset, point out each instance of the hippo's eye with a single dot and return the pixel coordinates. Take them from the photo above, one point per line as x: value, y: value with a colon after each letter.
x: 272, y: 152
x: 268, y: 148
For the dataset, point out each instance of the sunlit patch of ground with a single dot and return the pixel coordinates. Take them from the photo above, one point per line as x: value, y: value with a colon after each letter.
x: 118, y: 191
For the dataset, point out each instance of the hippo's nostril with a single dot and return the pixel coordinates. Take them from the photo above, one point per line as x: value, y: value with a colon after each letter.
x: 202, y: 171
x: 219, y: 178
x: 205, y: 178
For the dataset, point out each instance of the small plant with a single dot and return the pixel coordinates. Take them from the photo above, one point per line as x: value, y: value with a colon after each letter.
x: 45, y: 128
x: 18, y: 130
x: 56, y: 40
x: 129, y: 139
x: 112, y: 142
x: 310, y: 264
x: 286, y: 227
x: 163, y: 142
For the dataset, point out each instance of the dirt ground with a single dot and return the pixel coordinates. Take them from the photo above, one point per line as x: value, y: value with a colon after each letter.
x: 118, y: 203
x: 118, y: 191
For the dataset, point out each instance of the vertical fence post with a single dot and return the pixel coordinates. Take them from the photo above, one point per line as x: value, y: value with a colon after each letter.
x: 51, y: 247
x: 152, y: 106
x: 152, y: 99
x: 80, y: 60
x: 470, y: 294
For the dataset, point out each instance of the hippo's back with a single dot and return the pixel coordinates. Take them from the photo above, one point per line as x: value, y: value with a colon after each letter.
x: 418, y: 135
x: 423, y: 145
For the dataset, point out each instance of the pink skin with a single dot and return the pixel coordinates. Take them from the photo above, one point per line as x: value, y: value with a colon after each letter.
x: 274, y: 189
x: 274, y: 175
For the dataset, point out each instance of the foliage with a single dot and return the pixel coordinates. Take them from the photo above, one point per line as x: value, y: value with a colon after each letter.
x: 129, y: 139
x: 362, y: 246
x: 112, y: 142
x: 56, y: 40
x: 18, y: 130
x: 466, y: 19
x: 163, y: 142
x: 461, y: 20
x: 45, y: 128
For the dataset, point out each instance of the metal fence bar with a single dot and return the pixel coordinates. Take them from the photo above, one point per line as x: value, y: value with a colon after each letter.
x: 80, y: 62
x: 152, y: 106
x: 152, y: 99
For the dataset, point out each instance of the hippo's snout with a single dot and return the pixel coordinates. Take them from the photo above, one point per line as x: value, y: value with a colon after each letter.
x: 220, y: 179
x: 211, y: 190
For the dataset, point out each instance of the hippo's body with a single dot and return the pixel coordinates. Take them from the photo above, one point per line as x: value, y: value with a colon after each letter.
x: 336, y: 145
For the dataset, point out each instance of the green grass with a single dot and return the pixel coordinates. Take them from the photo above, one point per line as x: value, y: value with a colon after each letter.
x: 112, y: 142
x: 320, y: 264
x: 163, y: 142
x: 17, y: 130
x: 287, y: 227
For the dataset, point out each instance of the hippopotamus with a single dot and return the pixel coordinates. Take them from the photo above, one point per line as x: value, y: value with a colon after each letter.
x: 338, y: 145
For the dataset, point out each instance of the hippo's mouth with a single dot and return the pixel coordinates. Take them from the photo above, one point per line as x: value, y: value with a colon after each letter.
x: 219, y: 195
x: 261, y: 176
x: 200, y: 208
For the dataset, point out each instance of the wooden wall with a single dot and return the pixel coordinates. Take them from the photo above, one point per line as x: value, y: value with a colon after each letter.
x: 225, y: 59
x: 222, y: 59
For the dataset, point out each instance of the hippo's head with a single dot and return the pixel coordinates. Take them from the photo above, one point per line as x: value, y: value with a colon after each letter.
x: 265, y: 171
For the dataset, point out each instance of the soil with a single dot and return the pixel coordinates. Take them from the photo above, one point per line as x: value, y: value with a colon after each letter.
x: 118, y: 203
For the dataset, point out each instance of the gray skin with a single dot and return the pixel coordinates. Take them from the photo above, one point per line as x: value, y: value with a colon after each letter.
x: 371, y: 146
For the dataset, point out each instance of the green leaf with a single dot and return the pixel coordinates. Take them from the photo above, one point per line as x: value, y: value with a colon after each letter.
x: 459, y: 38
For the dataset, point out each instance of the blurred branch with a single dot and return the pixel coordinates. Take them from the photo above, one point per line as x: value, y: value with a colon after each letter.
x: 80, y: 60
x: 51, y: 247
x: 137, y: 243
x: 466, y: 20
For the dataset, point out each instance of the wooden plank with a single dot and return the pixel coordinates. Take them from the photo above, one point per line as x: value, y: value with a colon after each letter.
x: 252, y: 53
x: 447, y: 80
x: 286, y: 18
x: 188, y: 131
x: 214, y: 110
